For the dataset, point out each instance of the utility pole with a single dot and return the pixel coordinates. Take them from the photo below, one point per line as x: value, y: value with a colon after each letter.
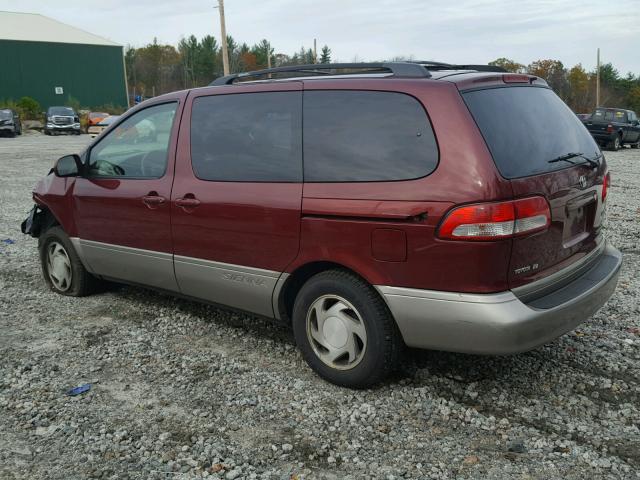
x: 598, y: 80
x: 223, y: 33
x: 269, y: 55
x: 315, y: 52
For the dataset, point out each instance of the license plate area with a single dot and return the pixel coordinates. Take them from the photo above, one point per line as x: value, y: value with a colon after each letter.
x: 579, y: 217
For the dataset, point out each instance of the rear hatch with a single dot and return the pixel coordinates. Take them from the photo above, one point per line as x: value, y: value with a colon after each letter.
x: 526, y: 128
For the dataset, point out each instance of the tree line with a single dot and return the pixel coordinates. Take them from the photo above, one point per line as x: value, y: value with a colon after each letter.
x: 160, y: 68
x: 577, y: 87
x: 156, y: 68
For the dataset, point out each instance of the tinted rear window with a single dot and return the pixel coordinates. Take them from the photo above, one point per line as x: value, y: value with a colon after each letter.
x: 356, y: 136
x: 525, y: 127
x: 609, y: 115
x: 247, y: 137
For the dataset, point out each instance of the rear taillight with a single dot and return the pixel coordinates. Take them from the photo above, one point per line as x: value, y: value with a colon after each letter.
x: 605, y: 186
x: 496, y: 220
x: 609, y: 128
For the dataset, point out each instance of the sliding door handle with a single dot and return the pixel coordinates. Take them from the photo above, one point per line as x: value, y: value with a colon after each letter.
x: 187, y: 202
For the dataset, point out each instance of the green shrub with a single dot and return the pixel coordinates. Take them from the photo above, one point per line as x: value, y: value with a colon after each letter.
x: 28, y: 108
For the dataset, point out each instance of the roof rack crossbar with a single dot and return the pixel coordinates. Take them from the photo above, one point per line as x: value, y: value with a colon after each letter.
x: 397, y: 69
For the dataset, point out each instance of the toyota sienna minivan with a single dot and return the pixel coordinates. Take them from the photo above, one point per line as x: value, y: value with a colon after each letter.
x: 371, y: 206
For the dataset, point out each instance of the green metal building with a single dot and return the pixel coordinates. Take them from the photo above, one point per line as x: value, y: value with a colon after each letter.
x: 51, y: 62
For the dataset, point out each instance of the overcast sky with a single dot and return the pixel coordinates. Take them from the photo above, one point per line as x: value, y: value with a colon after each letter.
x: 462, y: 31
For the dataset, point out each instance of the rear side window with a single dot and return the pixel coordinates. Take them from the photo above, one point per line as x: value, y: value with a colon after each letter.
x: 525, y: 127
x: 247, y: 137
x: 356, y: 136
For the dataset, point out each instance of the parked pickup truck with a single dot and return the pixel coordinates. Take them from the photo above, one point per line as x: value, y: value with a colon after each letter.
x: 614, y: 127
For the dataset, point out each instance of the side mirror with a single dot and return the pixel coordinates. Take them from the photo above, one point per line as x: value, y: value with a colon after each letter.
x: 68, y: 166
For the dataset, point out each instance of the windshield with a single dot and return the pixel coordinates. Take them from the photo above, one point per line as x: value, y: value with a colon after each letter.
x: 5, y: 114
x: 525, y: 127
x: 61, y: 111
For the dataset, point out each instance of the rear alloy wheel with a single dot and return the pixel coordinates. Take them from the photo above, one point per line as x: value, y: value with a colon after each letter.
x: 336, y: 332
x: 62, y: 268
x: 345, y: 331
x: 615, y: 144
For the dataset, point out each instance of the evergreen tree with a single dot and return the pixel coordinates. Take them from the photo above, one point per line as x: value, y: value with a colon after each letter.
x: 325, y: 55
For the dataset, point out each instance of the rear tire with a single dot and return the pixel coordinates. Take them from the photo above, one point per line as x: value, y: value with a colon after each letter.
x: 62, y: 268
x: 345, y: 331
x: 615, y: 144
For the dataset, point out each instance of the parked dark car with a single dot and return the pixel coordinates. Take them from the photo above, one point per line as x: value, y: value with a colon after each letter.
x: 61, y: 120
x: 10, y: 124
x: 433, y: 209
x: 614, y: 127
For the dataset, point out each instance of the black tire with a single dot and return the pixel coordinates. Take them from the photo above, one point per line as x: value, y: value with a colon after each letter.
x: 383, y: 346
x: 635, y: 145
x: 615, y: 144
x: 81, y: 282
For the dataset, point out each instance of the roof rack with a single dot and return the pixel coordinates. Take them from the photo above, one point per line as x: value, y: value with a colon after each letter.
x: 397, y: 69
x: 430, y: 65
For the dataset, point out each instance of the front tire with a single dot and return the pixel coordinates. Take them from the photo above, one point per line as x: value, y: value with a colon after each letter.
x: 345, y: 331
x: 62, y: 268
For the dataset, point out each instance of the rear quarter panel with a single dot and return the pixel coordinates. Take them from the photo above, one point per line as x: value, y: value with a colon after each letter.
x: 335, y: 228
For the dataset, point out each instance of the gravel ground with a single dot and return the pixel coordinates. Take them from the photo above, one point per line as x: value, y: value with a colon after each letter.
x: 182, y: 390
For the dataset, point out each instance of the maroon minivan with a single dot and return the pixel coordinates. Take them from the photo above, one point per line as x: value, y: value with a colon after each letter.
x: 372, y: 206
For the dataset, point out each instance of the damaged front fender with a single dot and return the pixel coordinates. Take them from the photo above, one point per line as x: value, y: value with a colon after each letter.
x: 35, y: 221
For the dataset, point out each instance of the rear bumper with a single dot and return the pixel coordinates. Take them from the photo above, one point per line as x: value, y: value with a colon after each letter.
x: 501, y: 323
x: 603, y: 136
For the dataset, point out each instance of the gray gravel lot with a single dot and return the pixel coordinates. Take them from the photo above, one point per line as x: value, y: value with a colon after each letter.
x: 182, y: 390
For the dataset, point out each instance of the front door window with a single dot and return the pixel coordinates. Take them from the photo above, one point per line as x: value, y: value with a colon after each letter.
x: 137, y: 147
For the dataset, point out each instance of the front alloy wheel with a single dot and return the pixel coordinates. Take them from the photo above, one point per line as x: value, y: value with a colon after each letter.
x: 59, y: 267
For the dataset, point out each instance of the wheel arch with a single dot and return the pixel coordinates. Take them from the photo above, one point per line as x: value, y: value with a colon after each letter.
x: 287, y: 289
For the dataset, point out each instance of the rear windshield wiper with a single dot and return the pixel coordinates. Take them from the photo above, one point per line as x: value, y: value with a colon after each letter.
x: 568, y: 156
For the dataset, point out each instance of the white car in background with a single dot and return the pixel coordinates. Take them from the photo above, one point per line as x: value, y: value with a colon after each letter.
x: 99, y: 127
